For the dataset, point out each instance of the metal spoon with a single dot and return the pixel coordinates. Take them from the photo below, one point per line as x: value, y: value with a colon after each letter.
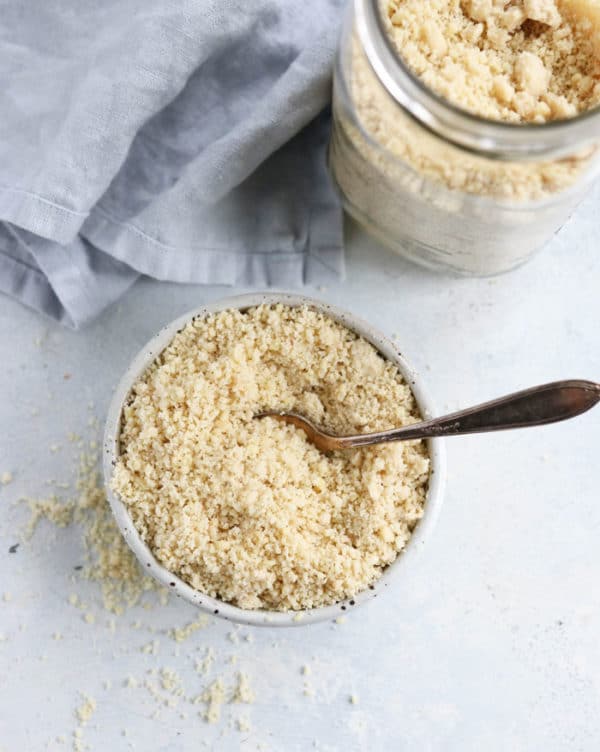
x: 547, y: 403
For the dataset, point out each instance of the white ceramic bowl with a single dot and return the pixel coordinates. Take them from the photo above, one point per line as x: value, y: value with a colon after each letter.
x: 401, y: 567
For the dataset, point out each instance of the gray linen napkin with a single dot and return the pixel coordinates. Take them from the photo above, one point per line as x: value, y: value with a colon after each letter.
x: 175, y: 138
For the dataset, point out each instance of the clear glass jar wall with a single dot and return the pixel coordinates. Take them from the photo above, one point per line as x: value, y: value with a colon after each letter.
x: 443, y: 205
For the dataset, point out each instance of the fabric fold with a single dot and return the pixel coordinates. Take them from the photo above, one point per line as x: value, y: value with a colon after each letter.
x: 180, y: 140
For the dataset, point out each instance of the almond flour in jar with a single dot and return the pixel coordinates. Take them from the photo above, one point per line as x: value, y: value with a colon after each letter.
x: 465, y: 133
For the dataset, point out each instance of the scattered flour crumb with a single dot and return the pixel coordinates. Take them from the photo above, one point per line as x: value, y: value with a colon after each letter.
x: 57, y: 511
x: 6, y: 478
x: 85, y: 711
x: 204, y: 666
x: 171, y: 681
x: 243, y: 692
x: 179, y: 634
x: 151, y: 648
x: 78, y: 740
x: 243, y: 724
x: 340, y: 620
x: 7, y: 597
x: 108, y: 560
x: 234, y: 636
x: 214, y: 697
x: 353, y: 699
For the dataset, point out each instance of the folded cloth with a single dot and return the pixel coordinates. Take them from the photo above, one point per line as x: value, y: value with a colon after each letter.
x: 181, y: 139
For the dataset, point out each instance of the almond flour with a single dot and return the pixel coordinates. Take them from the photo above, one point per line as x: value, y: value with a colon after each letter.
x: 518, y: 61
x: 248, y: 510
x: 108, y: 560
x: 535, y: 72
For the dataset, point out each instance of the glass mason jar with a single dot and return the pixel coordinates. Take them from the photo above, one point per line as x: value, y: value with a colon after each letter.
x: 440, y: 186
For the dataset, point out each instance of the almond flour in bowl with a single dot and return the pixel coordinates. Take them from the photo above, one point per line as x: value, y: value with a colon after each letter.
x: 243, y: 516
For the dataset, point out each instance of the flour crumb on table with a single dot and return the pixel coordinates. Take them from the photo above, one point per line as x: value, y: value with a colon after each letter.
x: 108, y: 560
x: 85, y: 711
x: 234, y: 636
x: 243, y: 724
x: 309, y: 690
x: 214, y: 697
x: 151, y: 648
x: 243, y: 691
x: 179, y: 634
x: 172, y: 682
x: 204, y: 666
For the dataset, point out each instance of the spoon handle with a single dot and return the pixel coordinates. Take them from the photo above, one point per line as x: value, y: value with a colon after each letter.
x: 547, y: 403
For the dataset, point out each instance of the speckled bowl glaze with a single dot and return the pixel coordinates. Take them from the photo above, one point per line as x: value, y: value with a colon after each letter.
x: 401, y: 567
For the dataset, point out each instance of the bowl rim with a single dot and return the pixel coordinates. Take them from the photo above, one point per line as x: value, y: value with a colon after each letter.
x: 144, y: 358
